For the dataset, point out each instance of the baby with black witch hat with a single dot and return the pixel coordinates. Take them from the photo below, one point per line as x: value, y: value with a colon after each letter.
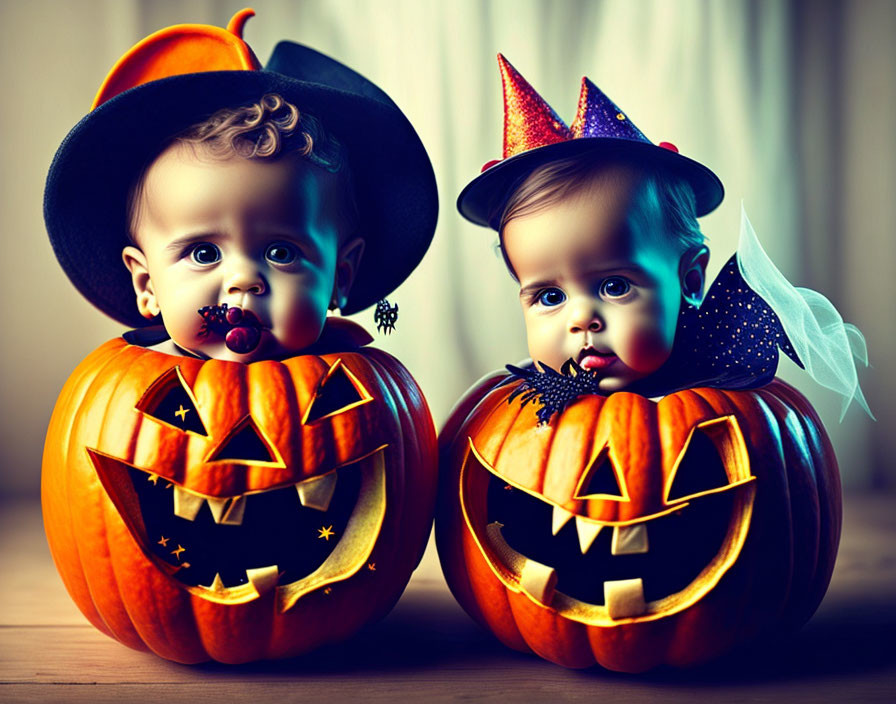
x: 245, y: 202
x: 599, y: 227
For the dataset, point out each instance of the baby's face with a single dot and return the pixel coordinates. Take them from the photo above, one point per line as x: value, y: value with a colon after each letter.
x: 255, y: 234
x: 595, y: 284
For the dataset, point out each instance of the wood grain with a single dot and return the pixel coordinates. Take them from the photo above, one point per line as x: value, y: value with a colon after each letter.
x: 427, y: 649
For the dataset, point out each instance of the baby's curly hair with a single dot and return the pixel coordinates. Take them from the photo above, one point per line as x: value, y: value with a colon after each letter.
x: 262, y: 130
x: 267, y: 129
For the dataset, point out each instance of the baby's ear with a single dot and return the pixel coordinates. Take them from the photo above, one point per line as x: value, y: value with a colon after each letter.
x: 348, y: 259
x: 135, y: 261
x: 692, y: 273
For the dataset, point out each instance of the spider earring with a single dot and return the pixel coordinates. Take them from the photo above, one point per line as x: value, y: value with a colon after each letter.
x: 385, y: 316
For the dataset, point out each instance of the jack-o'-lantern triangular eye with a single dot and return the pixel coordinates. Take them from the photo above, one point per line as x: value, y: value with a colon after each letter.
x: 170, y: 401
x: 701, y: 467
x: 600, y: 480
x: 339, y: 391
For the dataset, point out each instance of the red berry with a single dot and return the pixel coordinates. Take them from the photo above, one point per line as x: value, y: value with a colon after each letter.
x: 234, y: 315
x: 242, y: 340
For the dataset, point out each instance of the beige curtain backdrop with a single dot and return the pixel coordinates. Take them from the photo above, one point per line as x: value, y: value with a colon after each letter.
x: 792, y: 104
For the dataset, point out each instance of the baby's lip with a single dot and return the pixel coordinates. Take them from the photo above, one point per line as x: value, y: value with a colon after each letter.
x: 250, y: 319
x: 591, y: 351
x: 591, y: 358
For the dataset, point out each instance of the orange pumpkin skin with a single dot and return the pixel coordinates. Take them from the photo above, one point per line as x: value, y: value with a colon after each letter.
x: 782, y: 536
x: 105, y: 557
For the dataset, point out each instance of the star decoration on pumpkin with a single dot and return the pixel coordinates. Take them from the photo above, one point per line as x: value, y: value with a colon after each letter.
x: 164, y: 542
x: 176, y: 552
x: 328, y: 591
x: 326, y: 532
x: 371, y: 566
x: 153, y: 479
x: 181, y: 413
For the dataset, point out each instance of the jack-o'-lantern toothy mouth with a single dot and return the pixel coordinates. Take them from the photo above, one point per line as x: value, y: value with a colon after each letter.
x: 604, y: 572
x: 233, y: 549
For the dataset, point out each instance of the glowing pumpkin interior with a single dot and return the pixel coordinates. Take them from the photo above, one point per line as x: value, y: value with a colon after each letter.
x: 293, y: 526
x: 627, y: 537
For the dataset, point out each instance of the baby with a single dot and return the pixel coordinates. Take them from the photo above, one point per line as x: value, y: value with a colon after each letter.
x: 598, y: 225
x: 605, y: 287
x: 226, y: 190
x: 244, y: 234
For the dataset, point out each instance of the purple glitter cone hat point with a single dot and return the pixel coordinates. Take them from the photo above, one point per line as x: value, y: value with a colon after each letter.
x: 534, y: 135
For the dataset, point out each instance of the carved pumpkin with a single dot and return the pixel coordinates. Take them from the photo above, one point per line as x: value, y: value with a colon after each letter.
x: 634, y: 533
x: 216, y: 510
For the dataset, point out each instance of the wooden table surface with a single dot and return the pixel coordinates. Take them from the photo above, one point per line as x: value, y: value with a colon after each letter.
x: 428, y: 649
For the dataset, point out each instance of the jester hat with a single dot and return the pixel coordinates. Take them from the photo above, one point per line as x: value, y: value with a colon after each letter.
x: 534, y: 135
x: 183, y: 74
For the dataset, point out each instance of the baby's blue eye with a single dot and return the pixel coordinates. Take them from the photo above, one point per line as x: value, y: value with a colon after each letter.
x: 281, y: 254
x: 205, y: 253
x: 615, y: 287
x: 551, y: 297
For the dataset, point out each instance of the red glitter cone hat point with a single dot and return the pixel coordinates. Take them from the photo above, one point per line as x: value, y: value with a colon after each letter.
x: 529, y: 122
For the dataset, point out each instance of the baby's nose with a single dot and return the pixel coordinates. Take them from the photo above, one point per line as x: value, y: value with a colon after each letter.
x: 584, y: 317
x: 244, y: 277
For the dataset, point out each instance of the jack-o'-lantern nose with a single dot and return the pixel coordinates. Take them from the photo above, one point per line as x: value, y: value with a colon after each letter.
x: 245, y: 444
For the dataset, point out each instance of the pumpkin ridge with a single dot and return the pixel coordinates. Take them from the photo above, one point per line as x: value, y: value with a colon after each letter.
x: 803, y: 489
x: 502, y: 619
x: 108, y: 508
x: 598, y: 444
x: 421, y: 443
x: 534, y: 633
x: 756, y: 405
x: 828, y: 489
x: 96, y: 384
x: 788, y: 502
x: 396, y: 490
x: 500, y: 399
x: 261, y: 408
x: 552, y: 436
x: 74, y: 579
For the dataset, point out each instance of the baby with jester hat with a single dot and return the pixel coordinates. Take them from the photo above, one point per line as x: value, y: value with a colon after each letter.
x: 599, y: 227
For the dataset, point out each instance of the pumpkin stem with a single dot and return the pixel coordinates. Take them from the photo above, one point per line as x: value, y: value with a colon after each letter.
x: 238, y: 21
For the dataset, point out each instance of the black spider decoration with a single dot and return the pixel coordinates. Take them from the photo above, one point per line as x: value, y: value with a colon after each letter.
x: 214, y: 319
x: 552, y: 389
x: 385, y: 316
x: 240, y: 328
